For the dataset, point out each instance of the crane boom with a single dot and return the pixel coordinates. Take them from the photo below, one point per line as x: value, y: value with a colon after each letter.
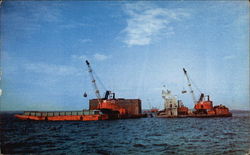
x: 97, y: 92
x: 189, y: 85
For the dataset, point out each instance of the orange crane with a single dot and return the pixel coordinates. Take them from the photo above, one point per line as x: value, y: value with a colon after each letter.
x: 204, y: 106
x: 109, y: 101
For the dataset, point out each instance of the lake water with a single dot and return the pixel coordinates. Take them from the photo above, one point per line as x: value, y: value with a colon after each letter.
x: 132, y: 136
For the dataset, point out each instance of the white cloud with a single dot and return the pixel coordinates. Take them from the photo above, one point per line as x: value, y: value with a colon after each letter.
x: 79, y: 57
x: 148, y: 21
x: 96, y: 56
x: 101, y: 57
x: 51, y: 69
x: 228, y: 57
x: 72, y: 24
x: 85, y: 40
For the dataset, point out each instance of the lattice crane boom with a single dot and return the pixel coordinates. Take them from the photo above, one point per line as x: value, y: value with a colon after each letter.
x: 97, y: 92
x: 190, y: 86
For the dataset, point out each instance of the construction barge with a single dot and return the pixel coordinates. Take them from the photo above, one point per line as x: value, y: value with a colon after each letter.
x: 106, y: 110
x: 101, y: 108
x: 174, y: 108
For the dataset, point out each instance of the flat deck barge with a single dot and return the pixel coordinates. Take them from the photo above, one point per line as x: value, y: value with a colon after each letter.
x: 85, y: 115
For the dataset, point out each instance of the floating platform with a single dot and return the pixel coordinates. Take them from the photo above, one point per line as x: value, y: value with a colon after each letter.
x: 174, y: 108
x: 86, y: 115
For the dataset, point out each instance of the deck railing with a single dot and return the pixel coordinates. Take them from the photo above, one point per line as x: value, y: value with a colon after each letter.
x: 61, y: 113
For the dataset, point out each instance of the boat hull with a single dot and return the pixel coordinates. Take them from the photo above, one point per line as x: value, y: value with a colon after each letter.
x: 64, y: 118
x: 196, y: 115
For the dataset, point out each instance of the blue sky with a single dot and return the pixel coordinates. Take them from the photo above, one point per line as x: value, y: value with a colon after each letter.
x: 134, y: 47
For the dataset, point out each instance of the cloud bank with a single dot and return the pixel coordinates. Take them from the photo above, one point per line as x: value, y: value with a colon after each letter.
x: 96, y: 56
x: 147, y: 21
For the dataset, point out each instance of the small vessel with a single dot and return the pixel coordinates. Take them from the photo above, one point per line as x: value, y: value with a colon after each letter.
x: 151, y: 112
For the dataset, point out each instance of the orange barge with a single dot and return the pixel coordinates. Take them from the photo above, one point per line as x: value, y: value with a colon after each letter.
x: 85, y: 115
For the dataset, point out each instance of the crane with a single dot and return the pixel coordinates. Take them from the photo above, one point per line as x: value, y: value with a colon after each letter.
x: 108, y: 94
x: 109, y: 101
x: 97, y: 92
x: 189, y: 85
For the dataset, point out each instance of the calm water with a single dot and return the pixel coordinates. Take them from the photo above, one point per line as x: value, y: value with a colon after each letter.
x: 132, y: 136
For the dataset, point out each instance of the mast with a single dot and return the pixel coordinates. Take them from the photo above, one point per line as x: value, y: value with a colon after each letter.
x: 189, y: 85
x: 97, y: 92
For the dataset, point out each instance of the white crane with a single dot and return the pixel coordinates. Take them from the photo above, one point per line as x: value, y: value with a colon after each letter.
x: 190, y: 86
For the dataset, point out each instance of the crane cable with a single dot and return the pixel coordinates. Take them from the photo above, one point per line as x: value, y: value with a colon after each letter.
x: 98, y: 79
x: 195, y: 85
